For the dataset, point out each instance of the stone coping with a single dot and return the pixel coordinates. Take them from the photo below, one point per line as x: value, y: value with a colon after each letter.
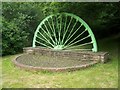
x: 78, y: 51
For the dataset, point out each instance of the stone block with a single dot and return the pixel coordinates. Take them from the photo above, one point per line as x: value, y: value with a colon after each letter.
x: 79, y: 55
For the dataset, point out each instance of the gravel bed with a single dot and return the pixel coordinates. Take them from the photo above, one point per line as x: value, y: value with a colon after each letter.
x: 45, y: 61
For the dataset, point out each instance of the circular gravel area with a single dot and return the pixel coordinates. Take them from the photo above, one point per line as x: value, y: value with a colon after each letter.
x: 37, y: 62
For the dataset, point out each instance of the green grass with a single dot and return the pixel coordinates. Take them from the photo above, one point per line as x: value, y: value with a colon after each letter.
x: 97, y: 76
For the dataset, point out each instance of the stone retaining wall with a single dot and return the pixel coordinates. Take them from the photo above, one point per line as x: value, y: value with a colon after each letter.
x: 77, y: 55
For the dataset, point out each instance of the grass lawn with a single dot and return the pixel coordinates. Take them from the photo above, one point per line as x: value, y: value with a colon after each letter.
x: 97, y: 76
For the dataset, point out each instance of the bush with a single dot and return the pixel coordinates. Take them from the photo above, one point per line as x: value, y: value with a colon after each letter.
x: 19, y: 23
x: 14, y: 39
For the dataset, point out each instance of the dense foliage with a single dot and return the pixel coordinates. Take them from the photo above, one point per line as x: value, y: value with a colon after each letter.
x: 19, y: 23
x: 21, y: 19
x: 103, y: 18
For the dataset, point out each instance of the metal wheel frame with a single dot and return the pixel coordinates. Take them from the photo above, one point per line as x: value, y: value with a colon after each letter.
x: 60, y: 47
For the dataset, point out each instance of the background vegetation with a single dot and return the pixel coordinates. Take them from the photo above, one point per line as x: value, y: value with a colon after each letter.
x: 20, y: 20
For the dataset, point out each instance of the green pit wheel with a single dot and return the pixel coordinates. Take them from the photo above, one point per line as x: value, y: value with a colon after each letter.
x: 64, y: 31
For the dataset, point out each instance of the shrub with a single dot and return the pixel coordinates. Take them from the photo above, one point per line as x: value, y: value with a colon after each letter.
x: 19, y: 23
